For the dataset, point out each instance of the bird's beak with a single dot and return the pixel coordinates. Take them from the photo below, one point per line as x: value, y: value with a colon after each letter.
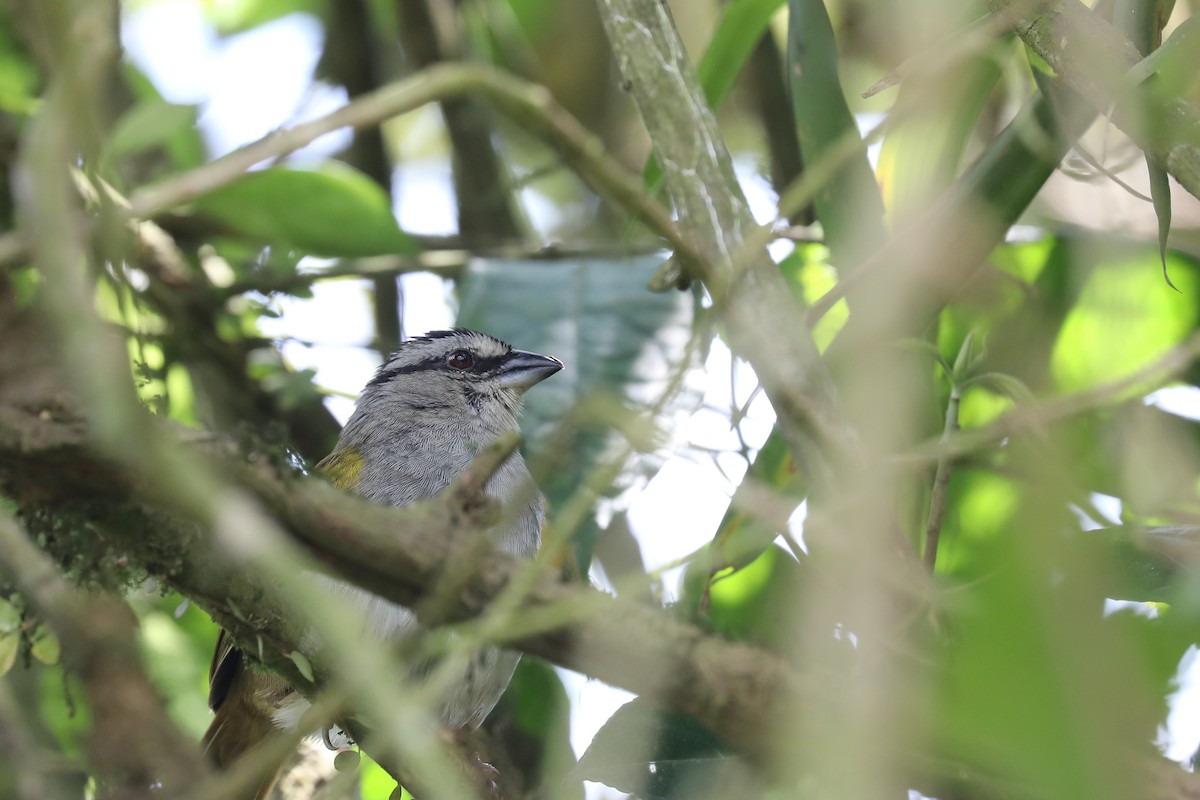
x: 522, y: 370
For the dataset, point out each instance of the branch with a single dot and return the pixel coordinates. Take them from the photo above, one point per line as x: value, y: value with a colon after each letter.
x: 1038, y: 417
x: 1095, y: 59
x: 733, y: 689
x: 754, y: 303
x: 529, y: 105
x: 132, y: 742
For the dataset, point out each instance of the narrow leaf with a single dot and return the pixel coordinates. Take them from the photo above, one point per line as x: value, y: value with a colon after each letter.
x: 302, y: 664
x: 849, y: 206
x: 9, y: 645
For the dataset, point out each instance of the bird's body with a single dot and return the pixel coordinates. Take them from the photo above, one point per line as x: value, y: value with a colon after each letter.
x: 418, y: 424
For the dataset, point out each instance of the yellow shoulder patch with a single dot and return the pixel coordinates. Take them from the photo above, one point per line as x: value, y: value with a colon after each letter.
x: 342, y: 467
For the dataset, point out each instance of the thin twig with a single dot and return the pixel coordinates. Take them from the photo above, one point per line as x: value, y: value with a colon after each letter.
x: 528, y: 104
x: 941, y: 482
x: 1040, y: 416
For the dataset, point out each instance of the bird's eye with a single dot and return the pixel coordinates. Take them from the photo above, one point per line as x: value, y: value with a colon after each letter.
x: 461, y: 359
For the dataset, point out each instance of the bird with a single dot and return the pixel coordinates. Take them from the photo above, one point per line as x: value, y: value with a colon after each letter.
x: 419, y: 422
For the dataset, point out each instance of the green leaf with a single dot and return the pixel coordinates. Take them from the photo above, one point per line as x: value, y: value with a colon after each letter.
x: 1145, y: 562
x: 1141, y: 21
x: 44, y: 646
x: 10, y: 644
x: 742, y: 25
x: 1160, y: 196
x: 662, y: 755
x: 149, y: 123
x: 18, y: 75
x: 302, y: 664
x: 331, y: 211
x: 849, y: 206
x: 743, y: 605
x: 1095, y: 344
x: 10, y: 617
x: 620, y: 344
x: 184, y: 145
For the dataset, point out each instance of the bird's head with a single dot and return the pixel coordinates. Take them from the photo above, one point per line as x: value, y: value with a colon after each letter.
x: 459, y: 372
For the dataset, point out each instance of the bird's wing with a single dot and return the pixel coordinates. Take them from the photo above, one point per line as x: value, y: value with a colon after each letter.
x: 226, y: 663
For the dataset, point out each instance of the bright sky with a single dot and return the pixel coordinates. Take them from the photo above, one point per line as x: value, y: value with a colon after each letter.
x: 250, y: 84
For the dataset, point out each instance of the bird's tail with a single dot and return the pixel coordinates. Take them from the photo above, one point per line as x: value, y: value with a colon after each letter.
x: 241, y: 722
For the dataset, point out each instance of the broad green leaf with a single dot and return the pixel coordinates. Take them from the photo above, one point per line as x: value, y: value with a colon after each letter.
x: 745, y: 605
x: 1175, y: 64
x: 149, y: 123
x: 177, y: 651
x: 183, y: 145
x: 1031, y: 657
x: 849, y: 206
x: 981, y: 505
x: 620, y: 343
x: 332, y: 211
x: 1124, y: 318
x: 662, y: 755
x: 374, y: 781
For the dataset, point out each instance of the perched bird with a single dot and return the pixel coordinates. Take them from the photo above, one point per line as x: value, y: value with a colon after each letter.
x: 418, y: 424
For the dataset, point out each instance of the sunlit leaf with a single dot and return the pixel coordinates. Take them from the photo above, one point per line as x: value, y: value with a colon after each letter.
x: 1123, y: 318
x: 44, y: 645
x: 748, y: 604
x: 10, y: 617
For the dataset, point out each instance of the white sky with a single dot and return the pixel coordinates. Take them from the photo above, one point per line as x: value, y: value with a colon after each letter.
x: 250, y: 84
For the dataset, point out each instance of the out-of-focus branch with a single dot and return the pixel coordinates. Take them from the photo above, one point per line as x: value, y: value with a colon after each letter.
x: 400, y: 554
x: 132, y: 743
x: 1094, y: 59
x: 529, y: 105
x: 698, y: 173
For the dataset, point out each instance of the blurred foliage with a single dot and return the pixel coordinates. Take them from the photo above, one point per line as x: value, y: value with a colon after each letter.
x: 1017, y: 673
